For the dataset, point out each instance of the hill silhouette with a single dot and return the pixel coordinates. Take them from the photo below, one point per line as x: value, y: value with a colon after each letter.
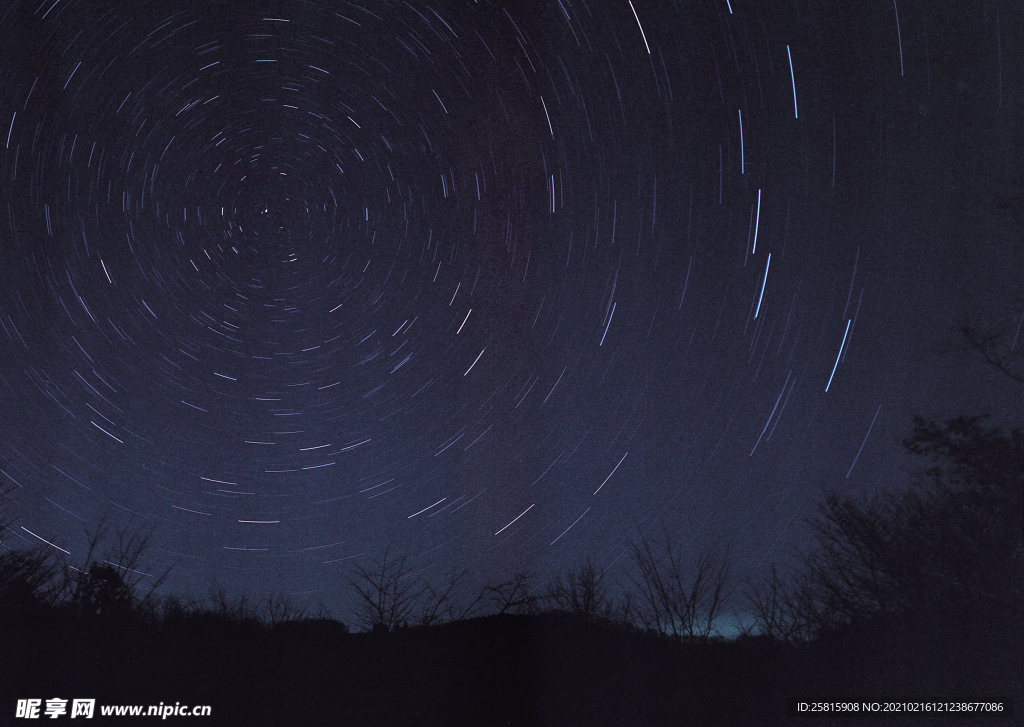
x: 911, y: 595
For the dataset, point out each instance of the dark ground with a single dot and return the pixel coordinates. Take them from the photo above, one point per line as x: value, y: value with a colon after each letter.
x: 546, y: 669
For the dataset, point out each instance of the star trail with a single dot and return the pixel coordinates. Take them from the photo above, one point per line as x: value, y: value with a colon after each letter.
x: 496, y: 285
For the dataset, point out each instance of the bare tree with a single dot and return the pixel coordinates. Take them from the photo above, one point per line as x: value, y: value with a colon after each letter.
x: 388, y: 592
x: 682, y: 601
x: 767, y: 603
x: 998, y: 344
x: 993, y: 348
x: 115, y: 581
x: 233, y: 609
x: 943, y: 553
x: 278, y: 608
x: 787, y: 608
x: 442, y: 604
x: 512, y: 596
x: 582, y: 592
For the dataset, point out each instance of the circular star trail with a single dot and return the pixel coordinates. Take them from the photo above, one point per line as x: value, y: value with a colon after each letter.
x: 499, y: 286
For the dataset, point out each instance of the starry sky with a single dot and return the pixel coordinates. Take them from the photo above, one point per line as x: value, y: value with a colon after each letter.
x: 495, y: 285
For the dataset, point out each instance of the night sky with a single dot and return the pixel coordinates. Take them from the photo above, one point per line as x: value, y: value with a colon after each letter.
x: 496, y: 285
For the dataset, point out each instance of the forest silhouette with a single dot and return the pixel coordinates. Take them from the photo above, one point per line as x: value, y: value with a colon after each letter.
x: 915, y: 593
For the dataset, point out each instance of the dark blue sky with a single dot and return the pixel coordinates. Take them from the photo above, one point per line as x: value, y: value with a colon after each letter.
x: 496, y: 286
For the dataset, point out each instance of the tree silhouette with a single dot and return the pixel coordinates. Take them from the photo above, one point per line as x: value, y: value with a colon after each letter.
x: 676, y: 598
x: 582, y: 593
x: 784, y: 608
x: 512, y: 596
x: 29, y: 579
x: 946, y: 554
x: 102, y: 591
x: 388, y: 592
x: 440, y: 604
x: 997, y: 344
x: 113, y: 583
